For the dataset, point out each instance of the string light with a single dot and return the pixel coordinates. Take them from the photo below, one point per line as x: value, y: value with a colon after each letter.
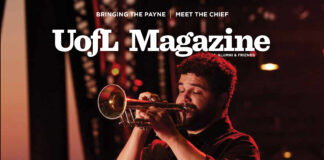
x: 138, y: 82
x: 135, y: 88
x: 161, y: 64
x: 287, y: 154
x: 82, y: 26
x: 269, y: 67
x: 115, y: 71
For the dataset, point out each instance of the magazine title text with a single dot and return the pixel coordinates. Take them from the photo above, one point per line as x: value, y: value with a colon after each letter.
x: 182, y: 46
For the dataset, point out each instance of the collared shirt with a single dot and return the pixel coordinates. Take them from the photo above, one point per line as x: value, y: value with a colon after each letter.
x: 220, y: 142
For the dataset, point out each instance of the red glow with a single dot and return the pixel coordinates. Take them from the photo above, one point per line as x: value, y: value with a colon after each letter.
x: 138, y: 82
x: 172, y: 22
x: 323, y: 51
x: 135, y: 88
x: 254, y: 53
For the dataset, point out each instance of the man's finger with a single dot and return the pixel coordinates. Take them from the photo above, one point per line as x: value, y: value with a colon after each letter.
x: 145, y: 96
x: 155, y: 98
x: 153, y: 109
x: 145, y: 115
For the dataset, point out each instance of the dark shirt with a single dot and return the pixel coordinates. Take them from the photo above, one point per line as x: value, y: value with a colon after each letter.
x: 220, y: 142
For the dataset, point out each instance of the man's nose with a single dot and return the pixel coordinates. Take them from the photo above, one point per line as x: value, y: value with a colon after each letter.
x: 186, y: 97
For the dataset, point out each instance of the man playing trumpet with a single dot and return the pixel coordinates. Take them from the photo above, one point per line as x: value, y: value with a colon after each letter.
x: 207, y: 81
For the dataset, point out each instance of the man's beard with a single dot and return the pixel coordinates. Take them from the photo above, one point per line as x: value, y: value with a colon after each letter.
x: 200, y: 118
x: 195, y: 121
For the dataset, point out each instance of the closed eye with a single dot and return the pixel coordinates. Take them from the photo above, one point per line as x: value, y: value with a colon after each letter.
x: 197, y: 92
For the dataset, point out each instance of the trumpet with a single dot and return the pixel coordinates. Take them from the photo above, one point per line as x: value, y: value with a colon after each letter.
x: 113, y: 104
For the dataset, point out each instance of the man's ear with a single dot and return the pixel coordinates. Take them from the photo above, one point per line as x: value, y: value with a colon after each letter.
x: 222, y: 99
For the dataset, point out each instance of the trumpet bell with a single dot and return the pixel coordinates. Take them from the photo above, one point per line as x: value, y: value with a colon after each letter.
x: 112, y: 101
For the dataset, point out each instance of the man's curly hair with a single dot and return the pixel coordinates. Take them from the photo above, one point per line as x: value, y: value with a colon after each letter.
x: 219, y: 73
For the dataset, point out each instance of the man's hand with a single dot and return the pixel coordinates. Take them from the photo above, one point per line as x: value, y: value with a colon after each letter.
x: 147, y: 96
x: 159, y: 118
x: 166, y: 130
x: 133, y: 148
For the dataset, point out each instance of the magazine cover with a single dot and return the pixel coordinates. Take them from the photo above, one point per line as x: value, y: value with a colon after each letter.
x: 162, y: 80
